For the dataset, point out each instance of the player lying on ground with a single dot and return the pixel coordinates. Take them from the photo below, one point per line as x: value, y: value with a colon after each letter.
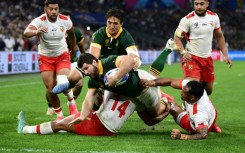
x: 198, y: 116
x: 105, y: 122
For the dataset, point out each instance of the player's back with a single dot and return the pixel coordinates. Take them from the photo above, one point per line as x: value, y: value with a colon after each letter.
x: 114, y: 111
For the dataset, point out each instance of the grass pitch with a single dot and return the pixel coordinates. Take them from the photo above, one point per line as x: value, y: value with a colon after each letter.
x: 26, y: 93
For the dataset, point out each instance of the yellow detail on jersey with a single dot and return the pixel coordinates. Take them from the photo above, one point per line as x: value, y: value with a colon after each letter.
x: 96, y: 45
x: 80, y: 42
x: 178, y: 33
x: 154, y: 71
x: 116, y: 63
x: 100, y: 67
x: 119, y: 32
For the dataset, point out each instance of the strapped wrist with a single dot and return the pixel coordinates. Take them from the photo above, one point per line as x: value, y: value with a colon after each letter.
x: 183, y: 52
x: 183, y: 137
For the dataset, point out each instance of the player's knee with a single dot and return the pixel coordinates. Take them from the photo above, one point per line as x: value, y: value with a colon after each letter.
x: 79, y: 84
x: 57, y: 126
x: 209, y: 92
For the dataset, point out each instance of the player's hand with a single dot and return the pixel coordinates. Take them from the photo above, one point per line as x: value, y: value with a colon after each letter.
x: 59, y: 88
x: 112, y: 81
x: 147, y: 83
x: 175, y: 134
x: 228, y: 61
x: 186, y: 57
x: 42, y: 30
x: 75, y: 121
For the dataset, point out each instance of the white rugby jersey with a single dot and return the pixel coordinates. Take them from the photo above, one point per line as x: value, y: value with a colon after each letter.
x: 199, y: 32
x: 53, y: 42
x: 202, y: 113
x: 114, y: 111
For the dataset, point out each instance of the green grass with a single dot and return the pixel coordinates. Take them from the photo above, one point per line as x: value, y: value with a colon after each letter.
x: 26, y: 93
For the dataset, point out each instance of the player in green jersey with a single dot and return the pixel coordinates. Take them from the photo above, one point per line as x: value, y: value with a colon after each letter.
x: 113, y: 39
x: 131, y: 89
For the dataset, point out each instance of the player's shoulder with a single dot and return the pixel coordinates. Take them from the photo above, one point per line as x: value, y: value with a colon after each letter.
x: 42, y: 17
x: 190, y: 15
x: 101, y: 32
x: 211, y: 13
x: 63, y: 17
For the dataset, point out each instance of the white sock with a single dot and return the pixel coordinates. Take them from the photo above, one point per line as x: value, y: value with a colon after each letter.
x: 44, y: 128
x: 70, y: 98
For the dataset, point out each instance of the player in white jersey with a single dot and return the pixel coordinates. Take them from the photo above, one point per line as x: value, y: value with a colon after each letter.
x: 198, y: 28
x: 198, y: 116
x: 54, y: 57
x: 106, y: 121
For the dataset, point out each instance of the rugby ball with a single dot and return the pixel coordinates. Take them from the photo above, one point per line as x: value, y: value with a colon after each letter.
x: 111, y: 73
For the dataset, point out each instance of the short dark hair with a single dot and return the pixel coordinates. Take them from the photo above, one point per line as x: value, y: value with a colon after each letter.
x: 195, y: 88
x: 85, y: 58
x: 116, y: 13
x: 47, y: 2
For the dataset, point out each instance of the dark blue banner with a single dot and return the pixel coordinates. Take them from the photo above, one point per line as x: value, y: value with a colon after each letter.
x: 89, y: 18
x: 237, y: 55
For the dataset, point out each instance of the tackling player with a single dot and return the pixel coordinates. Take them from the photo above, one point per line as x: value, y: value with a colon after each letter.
x: 198, y: 116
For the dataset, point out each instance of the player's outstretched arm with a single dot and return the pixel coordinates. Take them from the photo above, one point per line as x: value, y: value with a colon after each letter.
x: 201, y: 134
x: 175, y: 83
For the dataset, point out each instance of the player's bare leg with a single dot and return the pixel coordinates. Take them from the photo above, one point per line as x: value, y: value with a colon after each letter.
x: 49, y: 80
x: 45, y: 128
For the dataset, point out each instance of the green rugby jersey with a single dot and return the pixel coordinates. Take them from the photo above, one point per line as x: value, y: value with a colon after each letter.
x: 112, y: 45
x: 131, y: 88
x: 79, y: 37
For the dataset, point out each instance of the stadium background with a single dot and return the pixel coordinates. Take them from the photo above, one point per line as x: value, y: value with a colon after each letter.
x: 151, y: 23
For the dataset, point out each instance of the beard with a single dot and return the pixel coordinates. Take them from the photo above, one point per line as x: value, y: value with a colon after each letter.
x: 95, y: 74
x: 201, y: 14
x: 52, y: 18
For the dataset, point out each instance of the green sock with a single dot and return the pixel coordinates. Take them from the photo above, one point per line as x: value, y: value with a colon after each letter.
x: 158, y: 65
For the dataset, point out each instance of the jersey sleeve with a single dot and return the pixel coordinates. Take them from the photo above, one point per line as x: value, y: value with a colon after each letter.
x: 217, y: 22
x: 92, y: 84
x: 109, y: 62
x: 69, y: 24
x: 97, y: 37
x: 184, y: 25
x: 78, y: 34
x: 36, y: 22
x: 128, y: 40
x: 200, y: 120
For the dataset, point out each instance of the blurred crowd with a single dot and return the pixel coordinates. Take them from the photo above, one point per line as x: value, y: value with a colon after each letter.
x: 147, y: 25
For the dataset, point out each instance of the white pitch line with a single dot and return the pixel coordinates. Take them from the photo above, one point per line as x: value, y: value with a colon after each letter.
x: 60, y: 151
x: 21, y: 84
